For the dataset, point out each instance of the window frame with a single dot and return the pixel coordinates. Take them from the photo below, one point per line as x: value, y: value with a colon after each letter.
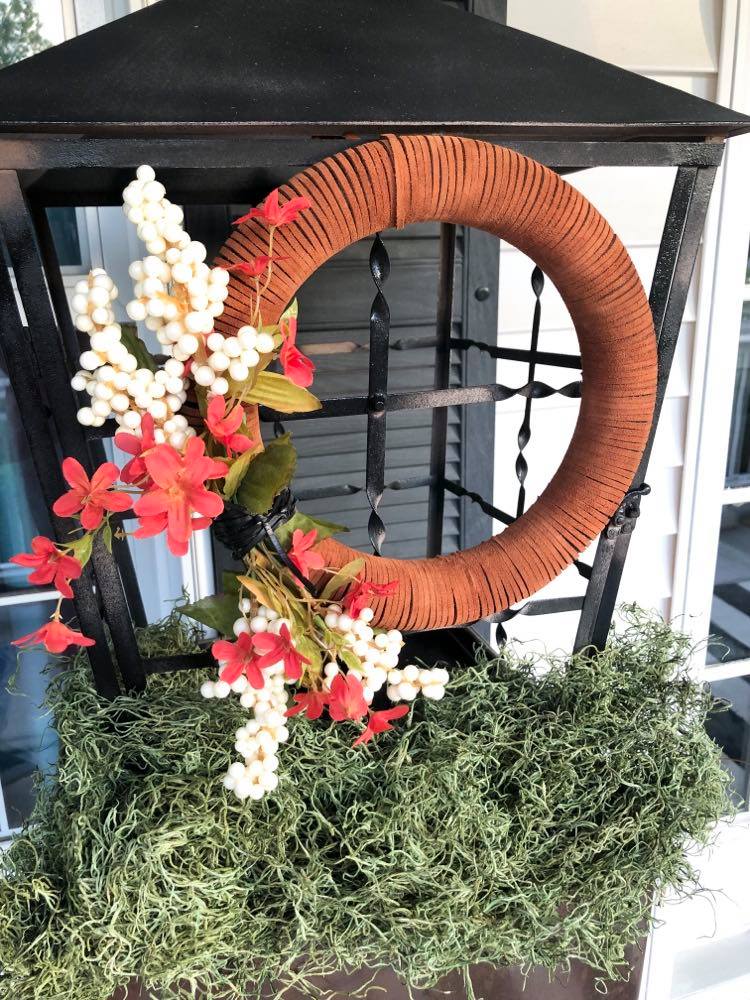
x: 722, y: 292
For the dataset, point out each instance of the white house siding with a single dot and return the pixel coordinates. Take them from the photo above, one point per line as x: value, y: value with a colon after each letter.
x: 675, y: 42
x: 701, y: 947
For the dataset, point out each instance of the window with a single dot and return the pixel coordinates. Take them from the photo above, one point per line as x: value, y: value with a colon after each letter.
x: 730, y: 607
x: 738, y: 459
x: 68, y: 227
x: 26, y: 742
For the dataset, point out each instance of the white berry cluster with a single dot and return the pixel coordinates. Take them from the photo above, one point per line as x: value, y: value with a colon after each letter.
x: 177, y: 295
x: 259, y: 739
x: 232, y: 356
x: 406, y: 684
x: 110, y: 373
x: 377, y: 652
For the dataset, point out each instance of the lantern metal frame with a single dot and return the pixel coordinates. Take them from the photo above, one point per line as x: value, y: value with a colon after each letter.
x: 42, y: 356
x: 44, y: 164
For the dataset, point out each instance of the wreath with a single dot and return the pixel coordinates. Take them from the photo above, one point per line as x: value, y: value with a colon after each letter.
x: 307, y: 611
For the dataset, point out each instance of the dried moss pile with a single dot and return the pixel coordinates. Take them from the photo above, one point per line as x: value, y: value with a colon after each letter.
x: 524, y: 819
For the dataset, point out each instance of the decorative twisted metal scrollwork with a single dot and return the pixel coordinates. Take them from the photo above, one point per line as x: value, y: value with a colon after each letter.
x: 623, y: 520
x: 524, y: 431
x: 380, y: 324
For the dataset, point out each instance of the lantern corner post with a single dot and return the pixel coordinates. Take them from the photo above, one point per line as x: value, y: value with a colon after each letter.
x: 32, y: 348
x: 675, y: 263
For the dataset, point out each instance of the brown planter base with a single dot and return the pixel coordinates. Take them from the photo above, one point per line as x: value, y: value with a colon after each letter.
x: 488, y: 982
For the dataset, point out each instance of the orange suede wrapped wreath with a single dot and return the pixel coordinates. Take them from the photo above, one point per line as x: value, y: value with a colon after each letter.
x: 399, y: 180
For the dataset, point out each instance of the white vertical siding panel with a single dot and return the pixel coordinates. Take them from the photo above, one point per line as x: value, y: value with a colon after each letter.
x: 668, y: 37
x: 517, y: 301
x: 677, y: 43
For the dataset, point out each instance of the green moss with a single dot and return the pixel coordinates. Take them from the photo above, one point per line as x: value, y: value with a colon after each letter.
x: 525, y: 819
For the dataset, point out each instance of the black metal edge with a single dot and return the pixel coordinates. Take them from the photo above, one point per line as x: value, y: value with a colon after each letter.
x: 183, y: 661
x: 518, y: 354
x: 481, y: 275
x: 47, y: 346
x: 26, y: 384
x: 678, y: 251
x: 418, y: 399
x: 524, y: 431
x: 439, y: 430
x: 71, y: 349
x: 376, y: 406
x: 213, y: 170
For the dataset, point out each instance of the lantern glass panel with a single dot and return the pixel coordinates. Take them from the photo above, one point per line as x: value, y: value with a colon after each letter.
x: 19, y: 488
x: 729, y: 726
x: 29, y: 742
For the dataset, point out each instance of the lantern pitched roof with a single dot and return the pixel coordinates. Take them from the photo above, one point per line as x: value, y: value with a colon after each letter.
x: 333, y: 67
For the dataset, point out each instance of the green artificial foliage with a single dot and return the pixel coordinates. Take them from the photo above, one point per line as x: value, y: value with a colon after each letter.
x: 20, y: 31
x: 525, y: 819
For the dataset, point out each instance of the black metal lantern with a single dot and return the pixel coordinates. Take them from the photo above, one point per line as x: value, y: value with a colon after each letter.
x: 227, y: 100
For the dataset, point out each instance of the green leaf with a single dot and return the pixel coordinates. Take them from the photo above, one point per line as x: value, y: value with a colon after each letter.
x: 351, y: 659
x: 291, y: 312
x: 305, y: 523
x: 342, y: 579
x: 81, y: 547
x: 230, y: 583
x: 107, y: 535
x: 237, y: 472
x: 201, y: 396
x: 312, y: 651
x: 261, y: 594
x: 269, y: 472
x: 136, y: 347
x: 279, y: 393
x: 219, y: 612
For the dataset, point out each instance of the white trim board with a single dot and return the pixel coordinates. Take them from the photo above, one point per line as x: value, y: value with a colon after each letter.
x: 720, y: 298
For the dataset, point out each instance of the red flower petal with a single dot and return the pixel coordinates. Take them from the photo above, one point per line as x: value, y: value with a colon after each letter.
x: 67, y: 505
x: 91, y: 516
x: 104, y: 476
x: 75, y: 474
x: 114, y: 501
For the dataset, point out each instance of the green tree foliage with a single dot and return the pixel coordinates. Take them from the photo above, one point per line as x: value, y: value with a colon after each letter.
x: 20, y: 31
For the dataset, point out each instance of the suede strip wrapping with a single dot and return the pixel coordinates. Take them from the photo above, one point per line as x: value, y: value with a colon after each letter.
x: 399, y: 180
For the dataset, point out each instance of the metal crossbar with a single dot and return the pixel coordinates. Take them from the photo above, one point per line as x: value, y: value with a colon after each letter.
x: 417, y: 399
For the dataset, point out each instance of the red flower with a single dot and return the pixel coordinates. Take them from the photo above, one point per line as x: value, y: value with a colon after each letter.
x: 380, y: 722
x: 223, y: 428
x: 275, y: 648
x: 273, y: 213
x: 90, y: 496
x: 359, y: 595
x: 310, y: 702
x: 252, y: 268
x: 55, y: 637
x: 300, y: 553
x: 51, y: 565
x: 347, y: 700
x: 238, y: 658
x: 178, y: 492
x: 148, y: 526
x: 297, y: 367
x: 135, y: 470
